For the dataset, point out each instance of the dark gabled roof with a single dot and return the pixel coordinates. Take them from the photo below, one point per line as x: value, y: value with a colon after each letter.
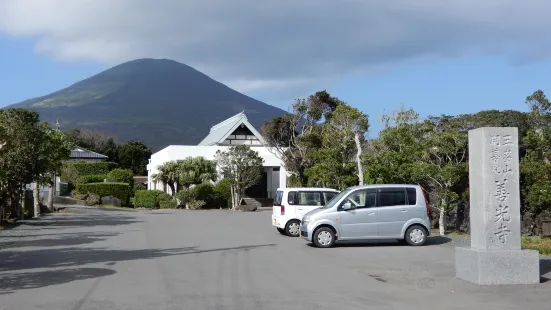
x: 79, y: 152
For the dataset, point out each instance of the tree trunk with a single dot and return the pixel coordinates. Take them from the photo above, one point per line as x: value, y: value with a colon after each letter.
x: 359, y: 159
x: 442, y: 221
x: 51, y: 193
x: 36, y: 199
x: 22, y: 209
x: 172, y: 189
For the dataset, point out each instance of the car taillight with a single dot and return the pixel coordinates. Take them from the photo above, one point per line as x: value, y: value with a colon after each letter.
x: 426, y: 202
x: 282, y: 210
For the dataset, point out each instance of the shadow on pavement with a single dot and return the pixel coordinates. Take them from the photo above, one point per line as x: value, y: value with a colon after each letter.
x: 80, y: 220
x: 431, y: 241
x: 52, y: 258
x: 545, y: 267
x: 11, y: 281
x: 29, y: 280
x: 69, y: 240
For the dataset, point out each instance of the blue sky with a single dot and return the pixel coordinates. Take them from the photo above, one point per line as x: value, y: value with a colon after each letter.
x: 437, y: 57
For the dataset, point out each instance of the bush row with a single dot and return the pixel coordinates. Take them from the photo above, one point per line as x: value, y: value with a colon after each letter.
x: 72, y: 171
x: 92, y: 178
x: 150, y: 199
x: 201, y: 196
x: 116, y: 189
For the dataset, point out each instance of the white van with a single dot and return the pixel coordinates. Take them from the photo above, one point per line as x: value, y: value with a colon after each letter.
x: 291, y: 204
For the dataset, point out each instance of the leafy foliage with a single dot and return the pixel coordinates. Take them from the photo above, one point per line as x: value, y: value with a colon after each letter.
x: 93, y: 199
x: 132, y: 155
x: 148, y: 199
x: 242, y: 167
x: 168, y: 204
x: 93, y: 178
x: 140, y: 187
x: 222, y: 193
x: 122, y: 175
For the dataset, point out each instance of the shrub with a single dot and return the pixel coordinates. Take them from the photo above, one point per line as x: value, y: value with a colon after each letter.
x: 93, y: 199
x: 119, y: 190
x: 168, y: 204
x: 140, y: 187
x: 183, y: 197
x: 92, y: 178
x: 204, y: 192
x: 196, y: 204
x: 164, y: 197
x: 70, y: 172
x: 122, y: 175
x: 80, y: 196
x: 148, y: 199
x: 222, y: 193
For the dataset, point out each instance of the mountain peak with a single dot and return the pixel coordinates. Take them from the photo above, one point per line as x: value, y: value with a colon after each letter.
x: 157, y: 101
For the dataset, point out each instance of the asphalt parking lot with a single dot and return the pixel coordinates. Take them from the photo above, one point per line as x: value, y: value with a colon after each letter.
x: 108, y: 259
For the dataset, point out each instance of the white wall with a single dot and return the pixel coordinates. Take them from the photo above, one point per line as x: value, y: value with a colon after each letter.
x: 179, y: 152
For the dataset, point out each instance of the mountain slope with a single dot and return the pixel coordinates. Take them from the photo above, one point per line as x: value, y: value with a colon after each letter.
x: 157, y: 101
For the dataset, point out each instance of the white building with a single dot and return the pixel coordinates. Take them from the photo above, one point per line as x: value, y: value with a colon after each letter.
x: 234, y: 131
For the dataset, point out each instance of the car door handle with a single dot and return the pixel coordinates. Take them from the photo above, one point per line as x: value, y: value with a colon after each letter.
x: 371, y: 213
x: 403, y: 210
x: 300, y: 209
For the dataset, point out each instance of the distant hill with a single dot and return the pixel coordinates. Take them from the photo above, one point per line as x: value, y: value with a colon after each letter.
x: 157, y: 101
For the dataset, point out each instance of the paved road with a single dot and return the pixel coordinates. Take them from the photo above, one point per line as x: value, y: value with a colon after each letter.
x: 104, y: 259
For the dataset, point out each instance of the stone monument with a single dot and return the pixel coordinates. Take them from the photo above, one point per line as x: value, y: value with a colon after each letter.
x: 495, y: 256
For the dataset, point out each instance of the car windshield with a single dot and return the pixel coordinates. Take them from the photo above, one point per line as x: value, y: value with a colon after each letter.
x: 335, y: 199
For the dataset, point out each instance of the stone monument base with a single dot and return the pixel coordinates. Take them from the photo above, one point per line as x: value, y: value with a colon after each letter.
x: 497, y: 267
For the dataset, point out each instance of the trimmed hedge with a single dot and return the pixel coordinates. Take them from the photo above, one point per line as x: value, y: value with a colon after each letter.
x: 119, y: 190
x: 122, y: 175
x: 92, y: 178
x: 150, y: 199
x: 72, y: 171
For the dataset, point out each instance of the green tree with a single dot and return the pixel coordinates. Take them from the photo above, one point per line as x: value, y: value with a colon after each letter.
x: 196, y: 170
x: 390, y: 156
x: 168, y: 173
x: 443, y: 168
x: 134, y: 155
x: 294, y: 135
x: 19, y: 137
x: 345, y: 133
x: 242, y: 167
x: 54, y: 148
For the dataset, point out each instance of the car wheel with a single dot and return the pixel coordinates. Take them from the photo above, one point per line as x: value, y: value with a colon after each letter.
x: 416, y: 235
x: 292, y: 229
x: 324, y: 237
x: 281, y: 231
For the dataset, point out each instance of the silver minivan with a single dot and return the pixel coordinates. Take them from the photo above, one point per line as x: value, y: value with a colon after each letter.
x: 381, y: 211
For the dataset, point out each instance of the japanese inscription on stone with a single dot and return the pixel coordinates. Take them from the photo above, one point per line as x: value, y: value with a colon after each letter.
x: 501, y: 157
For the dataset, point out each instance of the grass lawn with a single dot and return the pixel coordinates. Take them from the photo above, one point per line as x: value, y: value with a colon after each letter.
x: 115, y: 207
x: 543, y: 245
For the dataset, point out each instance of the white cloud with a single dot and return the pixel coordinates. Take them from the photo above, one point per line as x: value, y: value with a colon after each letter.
x: 279, y: 44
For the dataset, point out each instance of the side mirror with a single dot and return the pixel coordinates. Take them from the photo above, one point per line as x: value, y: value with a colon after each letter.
x: 347, y: 206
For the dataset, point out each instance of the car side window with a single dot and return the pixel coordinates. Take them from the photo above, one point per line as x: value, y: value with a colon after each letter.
x: 328, y: 196
x: 309, y: 198
x: 412, y: 196
x: 292, y: 198
x: 361, y: 199
x: 389, y: 197
x: 305, y: 198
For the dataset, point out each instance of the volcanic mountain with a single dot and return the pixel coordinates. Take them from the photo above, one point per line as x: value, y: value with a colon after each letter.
x: 156, y: 101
